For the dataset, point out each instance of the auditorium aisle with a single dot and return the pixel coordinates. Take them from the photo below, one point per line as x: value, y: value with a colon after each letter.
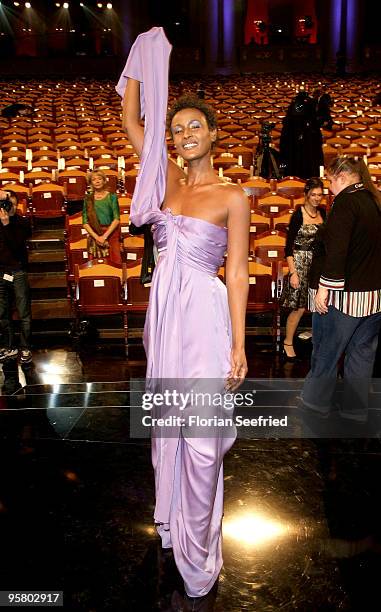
x: 301, y: 526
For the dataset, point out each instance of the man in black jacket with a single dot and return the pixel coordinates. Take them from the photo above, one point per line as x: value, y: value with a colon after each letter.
x: 14, y: 286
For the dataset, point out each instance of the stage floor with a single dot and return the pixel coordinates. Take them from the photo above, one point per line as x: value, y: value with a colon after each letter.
x: 301, y: 526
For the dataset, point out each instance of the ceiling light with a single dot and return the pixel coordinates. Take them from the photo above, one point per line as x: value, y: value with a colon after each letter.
x: 109, y: 5
x: 65, y: 5
x: 28, y: 5
x: 100, y: 5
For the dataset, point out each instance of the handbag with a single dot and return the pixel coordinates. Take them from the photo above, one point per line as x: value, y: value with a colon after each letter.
x: 148, y: 262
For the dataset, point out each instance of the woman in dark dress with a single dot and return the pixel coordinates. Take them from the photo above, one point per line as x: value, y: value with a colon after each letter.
x: 304, y: 224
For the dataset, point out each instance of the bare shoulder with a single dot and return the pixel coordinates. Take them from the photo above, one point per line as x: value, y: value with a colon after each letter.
x: 234, y: 197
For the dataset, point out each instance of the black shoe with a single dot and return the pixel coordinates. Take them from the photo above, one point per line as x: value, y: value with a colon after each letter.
x: 201, y: 604
x: 25, y: 356
x: 170, y: 584
x: 9, y: 353
x: 286, y: 357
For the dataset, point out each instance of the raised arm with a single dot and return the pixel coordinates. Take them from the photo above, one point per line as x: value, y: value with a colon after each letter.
x: 237, y: 279
x: 135, y: 131
x: 131, y: 115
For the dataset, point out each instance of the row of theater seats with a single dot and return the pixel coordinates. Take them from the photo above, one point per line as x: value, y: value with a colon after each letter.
x: 79, y: 125
x: 33, y: 163
x: 47, y: 199
x: 270, y: 215
x: 100, y: 287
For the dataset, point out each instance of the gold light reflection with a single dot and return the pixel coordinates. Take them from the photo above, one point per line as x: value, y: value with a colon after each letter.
x: 150, y: 531
x: 52, y: 373
x: 254, y: 529
x: 50, y: 379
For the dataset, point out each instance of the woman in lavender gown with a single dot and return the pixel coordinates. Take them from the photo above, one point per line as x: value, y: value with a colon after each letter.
x: 195, y: 325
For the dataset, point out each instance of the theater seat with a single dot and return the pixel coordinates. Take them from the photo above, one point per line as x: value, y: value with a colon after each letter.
x: 48, y: 201
x: 101, y: 289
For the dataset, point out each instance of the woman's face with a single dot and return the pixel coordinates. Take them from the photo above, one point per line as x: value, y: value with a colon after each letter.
x: 314, y: 196
x: 191, y: 134
x: 97, y: 181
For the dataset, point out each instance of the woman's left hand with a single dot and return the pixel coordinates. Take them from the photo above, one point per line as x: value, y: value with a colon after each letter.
x: 321, y: 300
x: 238, y: 369
x: 102, y: 240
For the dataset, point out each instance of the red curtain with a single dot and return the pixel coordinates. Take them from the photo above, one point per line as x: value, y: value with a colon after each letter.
x: 257, y: 22
x: 26, y: 44
x: 305, y: 24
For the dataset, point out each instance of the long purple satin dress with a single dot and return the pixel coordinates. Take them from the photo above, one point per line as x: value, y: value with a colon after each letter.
x: 187, y: 338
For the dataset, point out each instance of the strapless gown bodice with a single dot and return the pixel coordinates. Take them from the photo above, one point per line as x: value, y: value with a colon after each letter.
x: 195, y: 242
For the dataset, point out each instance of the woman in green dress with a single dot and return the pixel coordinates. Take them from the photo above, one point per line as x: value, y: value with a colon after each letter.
x: 100, y: 218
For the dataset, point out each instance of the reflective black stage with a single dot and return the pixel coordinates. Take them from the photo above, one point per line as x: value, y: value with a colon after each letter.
x: 302, y: 517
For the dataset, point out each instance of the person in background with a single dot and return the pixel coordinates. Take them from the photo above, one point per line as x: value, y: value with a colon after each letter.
x: 345, y: 281
x: 301, y: 233
x: 301, y: 143
x: 100, y: 218
x: 14, y: 285
x: 377, y: 99
x: 323, y: 103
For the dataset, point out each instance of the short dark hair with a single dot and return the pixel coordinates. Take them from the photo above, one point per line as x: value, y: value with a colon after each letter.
x: 313, y: 183
x: 193, y: 101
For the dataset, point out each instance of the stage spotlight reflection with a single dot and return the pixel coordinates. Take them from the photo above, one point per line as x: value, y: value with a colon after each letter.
x: 254, y: 529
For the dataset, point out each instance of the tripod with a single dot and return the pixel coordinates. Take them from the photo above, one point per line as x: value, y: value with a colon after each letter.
x: 266, y: 162
x: 266, y: 158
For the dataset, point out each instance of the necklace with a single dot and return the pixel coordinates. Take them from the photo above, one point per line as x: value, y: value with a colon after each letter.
x: 309, y: 214
x: 99, y: 195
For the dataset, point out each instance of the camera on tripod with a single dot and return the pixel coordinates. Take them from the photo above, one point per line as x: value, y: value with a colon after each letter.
x: 6, y: 204
x: 265, y: 137
x: 266, y: 158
